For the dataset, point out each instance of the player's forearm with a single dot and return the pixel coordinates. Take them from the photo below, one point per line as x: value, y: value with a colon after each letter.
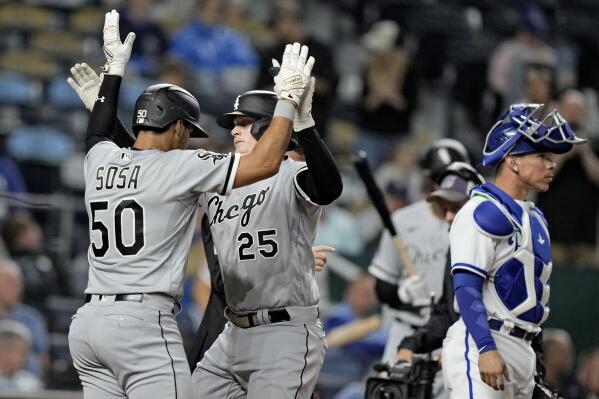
x: 103, y: 118
x: 264, y: 160
x: 468, y: 292
x: 322, y: 182
x: 387, y: 294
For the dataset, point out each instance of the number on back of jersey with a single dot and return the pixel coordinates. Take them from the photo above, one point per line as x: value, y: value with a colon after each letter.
x: 266, y: 246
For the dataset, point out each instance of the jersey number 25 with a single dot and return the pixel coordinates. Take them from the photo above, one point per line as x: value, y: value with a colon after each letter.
x: 267, y: 247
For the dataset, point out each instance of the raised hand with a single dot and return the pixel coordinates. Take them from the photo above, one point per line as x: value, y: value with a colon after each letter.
x: 117, y: 53
x: 86, y: 83
x: 294, y: 74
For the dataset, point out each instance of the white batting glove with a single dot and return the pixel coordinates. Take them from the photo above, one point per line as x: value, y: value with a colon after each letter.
x: 86, y: 83
x: 117, y: 53
x: 294, y: 74
x: 303, y: 116
x: 413, y: 291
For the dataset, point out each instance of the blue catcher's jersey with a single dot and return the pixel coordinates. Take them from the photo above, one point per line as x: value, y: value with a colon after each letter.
x: 507, y: 242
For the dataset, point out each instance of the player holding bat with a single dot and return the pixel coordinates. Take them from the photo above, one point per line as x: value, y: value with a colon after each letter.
x: 405, y: 283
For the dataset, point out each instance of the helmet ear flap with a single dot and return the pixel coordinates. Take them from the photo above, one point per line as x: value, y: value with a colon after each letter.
x: 259, y: 127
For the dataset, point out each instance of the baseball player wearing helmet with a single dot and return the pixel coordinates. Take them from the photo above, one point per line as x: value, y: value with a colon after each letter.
x: 273, y: 345
x: 142, y: 203
x: 501, y: 260
x: 424, y: 234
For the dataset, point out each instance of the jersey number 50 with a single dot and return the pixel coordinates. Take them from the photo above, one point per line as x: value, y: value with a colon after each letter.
x: 267, y: 247
x: 138, y: 226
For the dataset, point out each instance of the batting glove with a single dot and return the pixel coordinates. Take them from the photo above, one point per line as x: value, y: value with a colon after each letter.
x: 294, y: 74
x: 86, y: 83
x: 303, y: 116
x: 413, y: 291
x: 117, y: 53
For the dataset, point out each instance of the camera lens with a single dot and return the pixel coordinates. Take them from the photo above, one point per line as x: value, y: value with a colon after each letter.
x: 387, y: 391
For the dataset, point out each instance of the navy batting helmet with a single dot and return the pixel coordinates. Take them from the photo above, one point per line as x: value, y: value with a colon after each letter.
x: 259, y: 104
x: 456, y: 181
x: 520, y: 131
x: 162, y: 104
x: 442, y: 153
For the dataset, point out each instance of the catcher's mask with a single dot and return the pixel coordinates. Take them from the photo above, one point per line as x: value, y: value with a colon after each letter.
x: 520, y: 131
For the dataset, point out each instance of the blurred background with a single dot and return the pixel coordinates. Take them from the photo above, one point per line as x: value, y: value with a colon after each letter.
x: 393, y: 76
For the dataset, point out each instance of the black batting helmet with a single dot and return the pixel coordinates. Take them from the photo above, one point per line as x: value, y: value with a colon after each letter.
x: 162, y: 104
x: 259, y: 104
x: 442, y: 153
x: 456, y: 181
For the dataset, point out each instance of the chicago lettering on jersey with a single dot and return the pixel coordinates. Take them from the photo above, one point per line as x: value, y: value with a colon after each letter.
x: 117, y: 177
x: 245, y: 210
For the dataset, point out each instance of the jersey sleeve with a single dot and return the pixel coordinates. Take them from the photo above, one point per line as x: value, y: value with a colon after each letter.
x: 201, y: 171
x: 386, y: 264
x: 100, y: 151
x: 471, y: 250
x: 289, y: 173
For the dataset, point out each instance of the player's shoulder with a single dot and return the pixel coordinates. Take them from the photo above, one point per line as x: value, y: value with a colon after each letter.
x: 101, y: 149
x: 488, y: 216
x: 420, y: 207
x: 539, y: 214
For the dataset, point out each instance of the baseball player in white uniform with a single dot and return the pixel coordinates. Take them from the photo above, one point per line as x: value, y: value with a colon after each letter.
x: 273, y: 345
x: 501, y: 260
x: 142, y: 203
x: 424, y: 234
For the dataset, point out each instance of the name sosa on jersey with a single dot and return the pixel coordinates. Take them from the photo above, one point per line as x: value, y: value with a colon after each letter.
x: 125, y: 177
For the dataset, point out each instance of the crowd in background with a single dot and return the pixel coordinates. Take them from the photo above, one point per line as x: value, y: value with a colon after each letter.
x: 392, y: 77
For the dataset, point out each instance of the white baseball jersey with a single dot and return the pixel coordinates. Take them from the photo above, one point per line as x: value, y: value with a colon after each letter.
x: 426, y: 240
x: 142, y: 206
x: 516, y: 265
x: 263, y: 235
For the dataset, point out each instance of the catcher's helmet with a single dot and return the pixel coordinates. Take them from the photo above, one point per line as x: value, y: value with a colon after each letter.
x: 442, y: 153
x: 160, y: 105
x: 456, y: 181
x: 520, y: 131
x: 259, y: 104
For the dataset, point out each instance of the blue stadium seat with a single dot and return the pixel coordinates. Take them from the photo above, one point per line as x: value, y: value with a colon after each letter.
x: 39, y: 143
x: 18, y: 89
x: 61, y: 95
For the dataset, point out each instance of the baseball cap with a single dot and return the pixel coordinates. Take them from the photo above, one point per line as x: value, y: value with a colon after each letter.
x: 453, y: 188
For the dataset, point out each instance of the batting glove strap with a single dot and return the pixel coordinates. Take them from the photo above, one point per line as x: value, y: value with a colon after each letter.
x: 284, y: 109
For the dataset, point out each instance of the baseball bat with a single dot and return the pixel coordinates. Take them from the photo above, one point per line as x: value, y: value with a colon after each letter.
x: 376, y: 196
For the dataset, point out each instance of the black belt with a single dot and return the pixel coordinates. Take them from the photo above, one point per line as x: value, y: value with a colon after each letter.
x: 517, y: 332
x: 250, y: 319
x: 118, y: 297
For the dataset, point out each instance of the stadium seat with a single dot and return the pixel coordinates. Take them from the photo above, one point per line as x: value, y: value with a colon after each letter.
x: 62, y: 44
x: 18, y: 89
x: 27, y: 17
x: 87, y: 20
x: 61, y: 95
x: 29, y: 62
x: 39, y: 143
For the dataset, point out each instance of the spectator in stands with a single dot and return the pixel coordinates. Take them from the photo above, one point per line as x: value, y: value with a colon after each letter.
x: 403, y: 166
x: 389, y: 93
x: 14, y: 351
x: 151, y: 43
x: 11, y: 288
x: 572, y: 228
x: 260, y: 35
x: 539, y: 86
x: 288, y: 25
x: 352, y: 361
x: 588, y: 373
x: 11, y: 182
x: 25, y: 241
x: 508, y: 60
x: 223, y: 61
x: 558, y: 354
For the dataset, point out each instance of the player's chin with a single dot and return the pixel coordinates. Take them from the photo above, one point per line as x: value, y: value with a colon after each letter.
x: 542, y: 186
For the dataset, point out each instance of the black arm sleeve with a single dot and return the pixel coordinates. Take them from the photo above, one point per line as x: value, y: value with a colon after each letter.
x: 103, y: 118
x: 322, y: 181
x: 387, y: 294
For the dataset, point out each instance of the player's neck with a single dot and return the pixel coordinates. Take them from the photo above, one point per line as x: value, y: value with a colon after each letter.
x: 152, y: 141
x: 512, y: 186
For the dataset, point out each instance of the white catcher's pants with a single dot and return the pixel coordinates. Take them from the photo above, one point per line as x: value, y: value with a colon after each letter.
x: 460, y: 366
